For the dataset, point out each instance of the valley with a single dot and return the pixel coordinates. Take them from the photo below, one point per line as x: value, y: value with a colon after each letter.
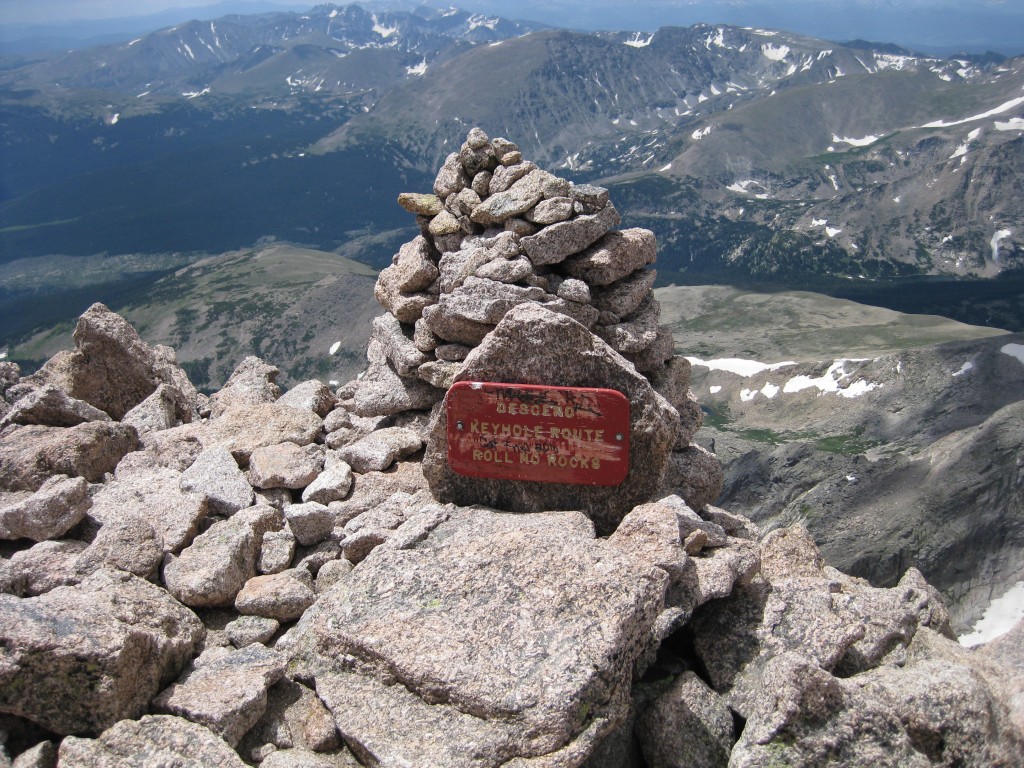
x: 758, y: 157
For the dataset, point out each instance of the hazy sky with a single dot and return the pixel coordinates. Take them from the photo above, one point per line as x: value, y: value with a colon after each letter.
x: 928, y: 25
x: 52, y: 10
x: 12, y: 11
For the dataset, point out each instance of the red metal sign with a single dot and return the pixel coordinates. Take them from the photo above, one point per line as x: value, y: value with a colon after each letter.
x: 576, y: 435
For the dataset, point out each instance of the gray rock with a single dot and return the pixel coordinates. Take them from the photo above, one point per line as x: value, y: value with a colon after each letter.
x: 656, y: 356
x: 211, y: 571
x: 176, y: 448
x: 277, y: 551
x: 456, y: 266
x: 406, y: 306
x: 294, y: 721
x: 252, y: 382
x: 373, y: 488
x: 635, y: 333
x: 510, y: 658
x: 42, y: 755
x: 506, y: 270
x: 891, y: 618
x: 242, y: 429
x: 32, y: 454
x: 80, y: 658
x: 310, y: 522
x: 687, y: 726
x: 574, y: 290
x: 650, y: 533
x: 379, y: 450
x: 520, y: 197
x: 282, y: 596
x: 444, y: 244
x: 623, y: 297
x: 694, y: 474
x: 503, y: 148
x: 377, y: 525
x: 521, y: 228
x: 309, y: 395
x: 554, y: 243
x: 153, y: 495
x: 477, y: 158
x: 589, y: 198
x: 51, y: 407
x: 331, y: 573
x: 534, y: 345
x: 383, y: 392
x: 397, y: 345
x: 113, y: 369
x: 439, y: 374
x: 9, y: 375
x: 481, y: 183
x: 737, y: 637
x: 337, y: 419
x: 228, y: 695
x: 278, y: 498
x: 304, y: 758
x: 452, y: 353
x: 508, y: 174
x: 445, y: 223
x: 157, y: 740
x: 550, y: 211
x: 333, y: 484
x: 48, y: 513
x: 614, y: 257
x: 154, y: 414
x: 285, y: 465
x: 451, y: 177
x: 129, y: 543
x: 463, y: 202
x: 805, y: 717
x: 423, y: 338
x: 422, y: 204
x: 42, y: 567
x: 469, y: 312
x: 215, y: 474
x: 318, y: 556
x: 1006, y: 654
x: 584, y: 314
x: 246, y: 630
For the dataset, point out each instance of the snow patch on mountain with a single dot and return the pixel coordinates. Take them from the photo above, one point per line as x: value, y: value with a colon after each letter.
x: 831, y: 382
x: 381, y: 30
x: 738, y: 365
x: 997, y: 238
x: 1000, y: 616
x: 639, y: 41
x: 863, y: 142
x: 1005, y: 107
x: 1014, y: 350
x: 775, y: 52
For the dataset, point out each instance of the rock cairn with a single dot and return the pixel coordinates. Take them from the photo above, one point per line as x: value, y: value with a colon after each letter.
x: 506, y: 244
x: 265, y: 579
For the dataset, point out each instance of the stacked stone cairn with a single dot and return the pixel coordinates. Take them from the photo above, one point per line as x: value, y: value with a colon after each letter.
x: 265, y: 579
x: 500, y: 234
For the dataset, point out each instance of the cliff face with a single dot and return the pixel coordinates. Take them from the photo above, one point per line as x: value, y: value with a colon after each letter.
x: 304, y: 580
x: 891, y: 460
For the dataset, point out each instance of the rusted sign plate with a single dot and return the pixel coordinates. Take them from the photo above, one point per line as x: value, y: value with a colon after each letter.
x: 577, y: 435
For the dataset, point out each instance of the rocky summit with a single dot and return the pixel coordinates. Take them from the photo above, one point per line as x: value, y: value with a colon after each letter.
x: 309, y: 579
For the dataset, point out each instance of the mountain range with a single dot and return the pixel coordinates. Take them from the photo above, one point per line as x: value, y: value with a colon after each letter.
x: 860, y: 169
